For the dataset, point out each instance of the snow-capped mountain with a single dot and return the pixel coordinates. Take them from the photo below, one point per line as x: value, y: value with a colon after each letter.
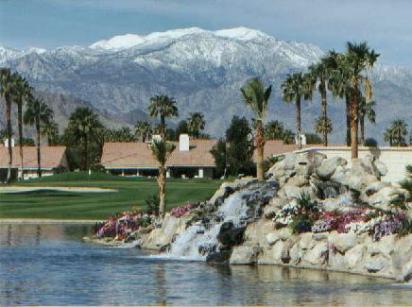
x: 202, y: 69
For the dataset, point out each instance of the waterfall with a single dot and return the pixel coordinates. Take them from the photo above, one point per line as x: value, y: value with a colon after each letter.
x: 199, y: 240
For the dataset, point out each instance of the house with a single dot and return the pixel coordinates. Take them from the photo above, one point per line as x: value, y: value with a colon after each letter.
x: 53, y: 160
x: 191, y: 158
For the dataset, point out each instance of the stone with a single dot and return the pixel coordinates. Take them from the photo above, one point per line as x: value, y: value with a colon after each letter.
x: 386, y: 196
x: 381, y: 167
x: 328, y: 167
x: 375, y: 264
x: 244, y: 254
x: 230, y: 235
x: 318, y: 255
x: 385, y: 246
x: 272, y: 238
x: 298, y: 181
x: 342, y: 241
x: 306, y: 241
x: 354, y: 256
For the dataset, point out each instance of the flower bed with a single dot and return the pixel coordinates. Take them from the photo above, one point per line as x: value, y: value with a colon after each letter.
x: 183, y: 210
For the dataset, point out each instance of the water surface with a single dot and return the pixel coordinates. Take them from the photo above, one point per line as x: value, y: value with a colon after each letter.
x: 50, y: 265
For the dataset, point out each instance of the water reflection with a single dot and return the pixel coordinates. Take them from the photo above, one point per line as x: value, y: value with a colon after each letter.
x: 48, y: 264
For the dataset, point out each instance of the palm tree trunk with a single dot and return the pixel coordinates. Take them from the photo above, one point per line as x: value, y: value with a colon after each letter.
x: 362, y: 129
x: 86, y: 153
x: 348, y: 121
x: 161, y: 181
x: 324, y: 114
x: 162, y: 127
x: 20, y: 123
x: 354, y: 125
x: 38, y: 148
x: 260, y: 145
x: 298, y: 122
x: 9, y: 135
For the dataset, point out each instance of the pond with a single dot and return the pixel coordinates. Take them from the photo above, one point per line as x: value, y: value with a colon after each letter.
x: 50, y: 265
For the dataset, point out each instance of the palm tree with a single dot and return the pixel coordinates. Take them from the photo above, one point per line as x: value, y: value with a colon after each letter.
x: 196, y: 123
x: 293, y: 91
x: 274, y: 130
x: 143, y: 130
x: 84, y: 125
x: 23, y: 92
x: 396, y: 133
x: 256, y: 96
x: 164, y: 107
x: 366, y: 110
x: 51, y: 131
x: 322, y: 72
x: 350, y: 78
x: 323, y: 126
x: 161, y: 151
x: 38, y: 114
x: 7, y: 90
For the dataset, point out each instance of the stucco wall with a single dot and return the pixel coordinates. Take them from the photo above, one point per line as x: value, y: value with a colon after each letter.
x: 395, y: 158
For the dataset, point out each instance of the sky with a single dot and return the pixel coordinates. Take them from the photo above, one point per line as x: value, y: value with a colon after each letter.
x: 385, y: 24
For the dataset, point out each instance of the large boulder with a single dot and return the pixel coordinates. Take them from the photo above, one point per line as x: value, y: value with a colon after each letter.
x: 244, y: 254
x: 387, y: 196
x: 342, y: 242
x: 329, y: 166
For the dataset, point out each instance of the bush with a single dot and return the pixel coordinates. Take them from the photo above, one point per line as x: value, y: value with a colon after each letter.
x: 152, y: 204
x: 371, y: 142
x: 301, y: 223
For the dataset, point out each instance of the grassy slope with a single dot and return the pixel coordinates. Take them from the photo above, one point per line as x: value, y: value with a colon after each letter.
x: 66, y: 205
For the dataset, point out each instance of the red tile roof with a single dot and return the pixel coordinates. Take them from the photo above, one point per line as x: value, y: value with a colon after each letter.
x: 51, y: 157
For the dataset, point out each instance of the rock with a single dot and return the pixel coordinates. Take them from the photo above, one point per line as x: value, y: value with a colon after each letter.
x: 381, y: 167
x: 386, y: 196
x: 318, y: 255
x: 220, y: 257
x: 230, y: 235
x: 306, y: 241
x: 385, y: 246
x: 298, y: 181
x: 342, y: 241
x: 375, y: 264
x: 354, y: 256
x: 244, y: 254
x: 272, y: 238
x: 328, y: 167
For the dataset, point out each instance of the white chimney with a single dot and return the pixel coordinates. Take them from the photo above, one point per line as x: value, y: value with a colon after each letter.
x: 184, y: 142
x: 302, y: 139
x: 6, y: 142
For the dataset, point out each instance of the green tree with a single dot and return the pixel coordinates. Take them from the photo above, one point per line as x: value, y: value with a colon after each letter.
x: 350, y: 78
x: 143, y: 131
x: 123, y: 134
x: 323, y: 126
x: 366, y: 111
x: 313, y: 138
x: 51, y: 131
x: 256, y: 96
x: 22, y: 93
x: 38, y: 114
x: 239, y: 147
x: 163, y: 107
x: 220, y: 156
x: 274, y: 130
x: 85, y: 129
x: 161, y: 150
x: 396, y: 133
x: 196, y: 124
x: 7, y: 90
x: 322, y: 72
x: 293, y: 90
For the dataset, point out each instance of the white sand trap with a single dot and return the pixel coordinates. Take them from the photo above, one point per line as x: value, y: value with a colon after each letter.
x: 20, y: 189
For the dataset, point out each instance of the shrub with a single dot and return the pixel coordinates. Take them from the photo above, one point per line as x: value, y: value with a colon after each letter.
x: 301, y: 223
x: 152, y: 204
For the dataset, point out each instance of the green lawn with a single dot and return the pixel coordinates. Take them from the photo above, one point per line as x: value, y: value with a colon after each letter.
x: 70, y: 205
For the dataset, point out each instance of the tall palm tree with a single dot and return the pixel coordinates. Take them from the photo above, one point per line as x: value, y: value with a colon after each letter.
x: 196, y: 123
x: 322, y: 72
x: 161, y: 151
x: 7, y: 90
x: 23, y: 92
x: 164, y: 107
x: 143, y: 130
x: 51, y: 131
x: 256, y: 96
x: 366, y: 110
x: 84, y: 125
x: 293, y: 90
x: 323, y: 126
x: 38, y: 113
x: 351, y: 69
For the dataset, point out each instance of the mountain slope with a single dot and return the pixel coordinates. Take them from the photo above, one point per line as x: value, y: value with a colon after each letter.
x: 202, y: 69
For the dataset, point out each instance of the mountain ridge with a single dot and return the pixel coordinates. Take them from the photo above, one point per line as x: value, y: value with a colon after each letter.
x: 202, y: 69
